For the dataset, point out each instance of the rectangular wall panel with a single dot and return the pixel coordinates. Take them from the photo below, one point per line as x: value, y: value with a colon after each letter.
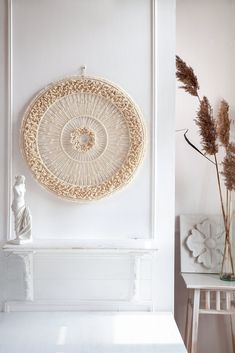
x: 53, y: 39
x: 116, y: 40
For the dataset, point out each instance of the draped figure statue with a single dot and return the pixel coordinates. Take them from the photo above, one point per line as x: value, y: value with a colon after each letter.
x: 23, y: 218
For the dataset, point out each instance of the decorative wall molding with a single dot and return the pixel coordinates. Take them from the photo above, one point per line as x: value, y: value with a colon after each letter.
x: 154, y: 120
x: 9, y: 119
x: 153, y: 133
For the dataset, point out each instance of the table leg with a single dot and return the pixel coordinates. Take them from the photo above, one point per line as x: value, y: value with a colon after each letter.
x: 195, y: 320
x: 187, y: 323
x: 232, y: 333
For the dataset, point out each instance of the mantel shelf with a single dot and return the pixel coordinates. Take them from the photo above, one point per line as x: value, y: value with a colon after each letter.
x: 135, y: 248
x: 90, y: 245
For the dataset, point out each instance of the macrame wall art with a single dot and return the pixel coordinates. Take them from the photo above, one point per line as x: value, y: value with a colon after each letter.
x: 83, y: 138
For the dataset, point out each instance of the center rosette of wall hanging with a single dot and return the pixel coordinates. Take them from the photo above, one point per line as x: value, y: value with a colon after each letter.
x: 83, y: 138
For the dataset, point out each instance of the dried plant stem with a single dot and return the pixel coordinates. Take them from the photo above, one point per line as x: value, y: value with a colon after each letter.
x: 229, y: 220
x: 227, y: 204
x: 227, y: 243
x: 198, y: 97
x: 226, y: 225
x: 220, y: 191
x: 228, y: 207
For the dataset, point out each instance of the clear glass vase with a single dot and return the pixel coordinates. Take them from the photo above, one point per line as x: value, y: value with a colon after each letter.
x: 227, y: 268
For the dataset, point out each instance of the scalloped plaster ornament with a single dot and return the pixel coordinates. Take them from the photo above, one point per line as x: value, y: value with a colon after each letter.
x: 205, y: 241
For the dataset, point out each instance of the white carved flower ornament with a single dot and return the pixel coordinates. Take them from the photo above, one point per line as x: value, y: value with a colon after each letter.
x: 206, y: 241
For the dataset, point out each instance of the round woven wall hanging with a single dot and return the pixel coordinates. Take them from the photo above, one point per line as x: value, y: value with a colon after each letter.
x: 83, y: 138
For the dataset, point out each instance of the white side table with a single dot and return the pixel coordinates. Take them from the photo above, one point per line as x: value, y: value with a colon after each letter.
x: 207, y: 294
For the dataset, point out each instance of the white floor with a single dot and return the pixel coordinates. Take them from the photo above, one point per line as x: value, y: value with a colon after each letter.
x: 79, y: 332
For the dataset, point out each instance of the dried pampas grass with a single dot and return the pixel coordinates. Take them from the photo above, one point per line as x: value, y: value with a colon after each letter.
x: 212, y: 131
x: 223, y: 123
x: 207, y: 127
x: 229, y: 167
x: 186, y: 76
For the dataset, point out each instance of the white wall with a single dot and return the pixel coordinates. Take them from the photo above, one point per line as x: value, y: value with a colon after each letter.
x: 115, y: 40
x: 205, y: 40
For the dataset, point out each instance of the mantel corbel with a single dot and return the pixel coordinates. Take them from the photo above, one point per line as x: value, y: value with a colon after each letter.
x: 27, y: 260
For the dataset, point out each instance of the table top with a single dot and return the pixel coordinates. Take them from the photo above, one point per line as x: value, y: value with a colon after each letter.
x: 87, y: 332
x: 206, y: 281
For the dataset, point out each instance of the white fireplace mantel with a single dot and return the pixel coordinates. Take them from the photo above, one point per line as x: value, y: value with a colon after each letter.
x: 135, y: 248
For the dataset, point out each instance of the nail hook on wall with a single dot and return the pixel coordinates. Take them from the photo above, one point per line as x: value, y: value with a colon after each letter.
x: 83, y: 70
